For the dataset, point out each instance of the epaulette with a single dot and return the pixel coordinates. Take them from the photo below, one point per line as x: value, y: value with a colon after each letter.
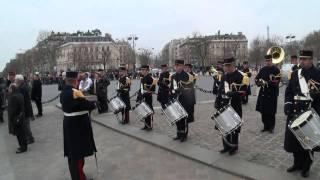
x: 245, y: 80
x: 77, y: 93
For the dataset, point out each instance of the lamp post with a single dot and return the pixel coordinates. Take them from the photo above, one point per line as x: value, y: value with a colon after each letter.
x: 134, y: 38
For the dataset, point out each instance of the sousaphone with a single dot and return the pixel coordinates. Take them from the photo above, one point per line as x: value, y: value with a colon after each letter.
x: 277, y: 54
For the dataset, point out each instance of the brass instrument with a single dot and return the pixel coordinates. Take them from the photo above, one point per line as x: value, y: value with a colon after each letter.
x: 277, y: 54
x: 314, y: 85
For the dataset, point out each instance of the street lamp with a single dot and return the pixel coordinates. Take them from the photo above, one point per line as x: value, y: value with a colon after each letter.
x: 134, y: 38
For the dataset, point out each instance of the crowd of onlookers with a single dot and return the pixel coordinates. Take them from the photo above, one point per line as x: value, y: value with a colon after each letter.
x: 16, y: 94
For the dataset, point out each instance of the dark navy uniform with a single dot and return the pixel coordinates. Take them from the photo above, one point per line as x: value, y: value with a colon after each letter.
x: 163, y: 91
x: 123, y: 92
x: 100, y: 88
x: 147, y: 88
x: 77, y: 130
x: 293, y: 107
x: 182, y: 90
x: 268, y: 96
x: 234, y: 97
x: 247, y: 72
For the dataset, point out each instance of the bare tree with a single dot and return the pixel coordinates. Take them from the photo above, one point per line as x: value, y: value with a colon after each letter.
x: 145, y: 56
x: 312, y: 42
x: 105, y: 57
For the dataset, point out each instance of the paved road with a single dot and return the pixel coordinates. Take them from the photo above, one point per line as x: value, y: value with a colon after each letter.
x: 262, y: 148
x: 120, y: 157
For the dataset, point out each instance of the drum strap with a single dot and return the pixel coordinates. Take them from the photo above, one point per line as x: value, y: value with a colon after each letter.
x: 303, y: 85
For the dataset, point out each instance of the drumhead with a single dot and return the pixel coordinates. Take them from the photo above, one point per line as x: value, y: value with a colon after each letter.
x: 301, y: 119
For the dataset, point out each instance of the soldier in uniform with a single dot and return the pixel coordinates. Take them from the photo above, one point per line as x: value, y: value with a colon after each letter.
x: 123, y: 92
x: 268, y: 95
x: 297, y: 100
x: 181, y: 88
x: 217, y: 76
x: 232, y: 88
x: 147, y: 88
x: 245, y: 69
x: 100, y: 88
x: 294, y: 62
x: 77, y: 130
x: 163, y: 83
x: 188, y: 69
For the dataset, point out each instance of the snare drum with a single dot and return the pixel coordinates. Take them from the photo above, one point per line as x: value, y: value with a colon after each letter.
x: 117, y: 105
x: 142, y: 111
x: 174, y: 112
x: 227, y: 120
x: 306, y: 128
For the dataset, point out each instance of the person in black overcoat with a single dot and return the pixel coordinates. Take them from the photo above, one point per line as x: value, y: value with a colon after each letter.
x: 77, y: 130
x: 268, y: 80
x: 296, y: 103
x: 36, y: 93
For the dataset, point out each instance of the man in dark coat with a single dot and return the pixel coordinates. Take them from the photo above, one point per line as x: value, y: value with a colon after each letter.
x: 163, y: 83
x: 77, y: 129
x: 16, y: 120
x: 232, y: 88
x: 123, y: 89
x: 181, y: 88
x: 28, y: 112
x: 147, y: 88
x: 297, y: 101
x: 268, y: 80
x: 100, y: 88
x: 188, y: 69
x: 2, y: 98
x: 36, y: 93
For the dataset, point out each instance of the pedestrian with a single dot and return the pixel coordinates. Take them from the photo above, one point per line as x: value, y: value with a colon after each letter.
x: 85, y: 83
x: 77, y: 130
x: 36, y: 93
x: 2, y: 98
x: 23, y: 88
x: 16, y: 120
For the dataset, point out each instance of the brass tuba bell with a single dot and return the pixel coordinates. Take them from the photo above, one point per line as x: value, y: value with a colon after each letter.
x: 277, y: 54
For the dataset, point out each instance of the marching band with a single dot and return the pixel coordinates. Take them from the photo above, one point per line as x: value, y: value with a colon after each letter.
x: 176, y: 94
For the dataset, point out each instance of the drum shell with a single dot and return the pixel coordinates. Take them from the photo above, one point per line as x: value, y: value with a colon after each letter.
x: 307, y: 132
x: 175, y: 112
x: 143, y: 110
x: 227, y: 120
x: 117, y: 105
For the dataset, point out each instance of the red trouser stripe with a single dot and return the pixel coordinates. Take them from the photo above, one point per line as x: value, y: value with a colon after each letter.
x: 80, y: 169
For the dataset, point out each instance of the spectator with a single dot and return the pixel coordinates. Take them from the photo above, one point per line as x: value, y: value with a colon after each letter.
x: 16, y: 117
x: 36, y: 93
x: 24, y: 90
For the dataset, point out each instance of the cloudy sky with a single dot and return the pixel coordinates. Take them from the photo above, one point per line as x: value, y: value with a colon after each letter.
x: 155, y: 22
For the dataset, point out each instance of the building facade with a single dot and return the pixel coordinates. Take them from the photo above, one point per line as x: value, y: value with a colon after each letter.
x: 88, y: 56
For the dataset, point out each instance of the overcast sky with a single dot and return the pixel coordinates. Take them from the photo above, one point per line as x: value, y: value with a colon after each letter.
x: 155, y: 22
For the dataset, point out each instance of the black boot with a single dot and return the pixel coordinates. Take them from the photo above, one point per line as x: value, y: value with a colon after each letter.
x: 305, y: 174
x: 293, y: 168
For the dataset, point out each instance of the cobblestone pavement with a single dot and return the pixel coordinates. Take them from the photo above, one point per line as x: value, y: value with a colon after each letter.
x: 120, y: 157
x: 257, y: 147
